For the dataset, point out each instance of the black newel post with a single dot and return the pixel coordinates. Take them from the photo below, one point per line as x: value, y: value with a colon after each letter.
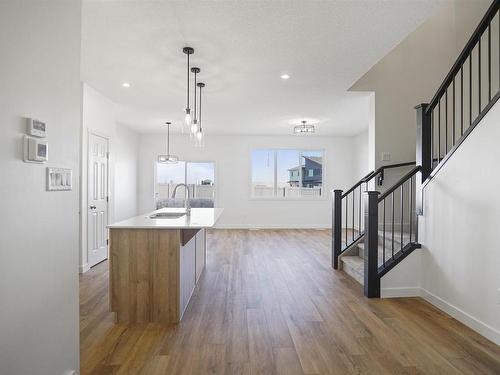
x: 372, y: 280
x: 424, y: 151
x: 337, y: 227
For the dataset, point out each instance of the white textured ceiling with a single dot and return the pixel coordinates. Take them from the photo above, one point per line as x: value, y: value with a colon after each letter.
x: 242, y: 47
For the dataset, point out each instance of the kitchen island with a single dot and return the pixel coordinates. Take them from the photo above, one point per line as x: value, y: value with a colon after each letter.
x: 155, y: 262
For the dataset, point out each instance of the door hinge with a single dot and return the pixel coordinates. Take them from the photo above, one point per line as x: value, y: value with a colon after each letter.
x: 107, y: 199
x: 107, y: 242
x: 107, y: 155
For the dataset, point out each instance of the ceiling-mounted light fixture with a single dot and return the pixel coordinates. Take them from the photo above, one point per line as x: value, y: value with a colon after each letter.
x: 194, y: 124
x: 304, y: 128
x: 187, y: 120
x: 199, y: 133
x: 167, y: 158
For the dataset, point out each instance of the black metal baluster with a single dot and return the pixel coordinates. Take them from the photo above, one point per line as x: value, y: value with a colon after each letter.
x: 353, y: 214
x: 392, y: 235
x: 433, y: 146
x: 479, y: 76
x: 402, y: 214
x: 489, y: 60
x: 359, y: 206
x: 439, y: 130
x: 411, y: 206
x: 453, y: 117
x: 461, y: 100
x: 446, y: 122
x: 346, y: 223
x: 383, y: 234
x: 470, y: 88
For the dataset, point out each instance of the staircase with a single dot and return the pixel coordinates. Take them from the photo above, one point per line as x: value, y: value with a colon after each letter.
x: 352, y: 261
x: 375, y: 230
x: 386, y: 225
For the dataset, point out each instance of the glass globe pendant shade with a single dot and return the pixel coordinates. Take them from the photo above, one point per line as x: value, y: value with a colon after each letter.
x: 188, y: 119
x: 194, y: 127
x: 168, y: 159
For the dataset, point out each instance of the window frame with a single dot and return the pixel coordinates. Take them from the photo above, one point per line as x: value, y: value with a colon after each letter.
x: 323, y: 196
x: 155, y: 177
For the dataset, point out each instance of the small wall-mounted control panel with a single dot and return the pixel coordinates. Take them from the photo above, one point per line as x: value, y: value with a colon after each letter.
x: 35, y: 147
x: 59, y: 179
x: 36, y: 128
x: 36, y: 150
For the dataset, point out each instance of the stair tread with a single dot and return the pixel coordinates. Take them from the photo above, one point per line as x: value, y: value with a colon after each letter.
x: 353, y: 265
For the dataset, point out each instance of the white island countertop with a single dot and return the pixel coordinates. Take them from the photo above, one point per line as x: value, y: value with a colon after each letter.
x: 199, y: 218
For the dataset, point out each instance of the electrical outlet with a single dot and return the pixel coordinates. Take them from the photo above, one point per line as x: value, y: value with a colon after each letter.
x: 386, y: 156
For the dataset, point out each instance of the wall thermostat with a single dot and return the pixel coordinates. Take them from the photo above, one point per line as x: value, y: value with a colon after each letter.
x: 36, y: 128
x: 35, y: 150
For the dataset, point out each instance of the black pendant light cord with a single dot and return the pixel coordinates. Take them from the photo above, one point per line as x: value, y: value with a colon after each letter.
x: 188, y: 83
x: 199, y: 117
x: 168, y: 138
x: 195, y: 95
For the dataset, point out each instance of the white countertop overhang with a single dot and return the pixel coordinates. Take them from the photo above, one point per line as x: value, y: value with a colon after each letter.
x: 199, y: 218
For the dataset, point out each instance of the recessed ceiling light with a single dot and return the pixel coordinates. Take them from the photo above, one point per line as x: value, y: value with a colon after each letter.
x: 284, y: 76
x: 126, y: 84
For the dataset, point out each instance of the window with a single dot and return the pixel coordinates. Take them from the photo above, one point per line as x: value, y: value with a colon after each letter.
x: 199, y: 176
x: 287, y: 173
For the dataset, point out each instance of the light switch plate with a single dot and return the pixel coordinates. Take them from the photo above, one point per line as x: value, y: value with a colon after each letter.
x: 386, y: 156
x: 59, y: 179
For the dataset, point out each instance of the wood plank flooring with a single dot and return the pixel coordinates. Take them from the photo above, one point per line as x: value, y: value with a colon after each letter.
x: 269, y: 303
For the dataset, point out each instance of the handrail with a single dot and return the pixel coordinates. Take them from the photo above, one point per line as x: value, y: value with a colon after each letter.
x: 476, y: 35
x: 400, y: 182
x: 372, y: 174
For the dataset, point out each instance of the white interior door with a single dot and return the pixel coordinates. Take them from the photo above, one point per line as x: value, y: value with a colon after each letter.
x: 97, y: 212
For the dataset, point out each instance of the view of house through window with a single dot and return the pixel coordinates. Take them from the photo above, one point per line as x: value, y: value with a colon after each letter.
x: 198, y: 176
x: 287, y: 173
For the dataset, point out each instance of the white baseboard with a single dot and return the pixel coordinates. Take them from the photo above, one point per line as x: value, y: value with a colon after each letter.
x: 400, y: 292
x: 82, y: 268
x: 480, y: 327
x: 475, y: 324
x: 314, y: 226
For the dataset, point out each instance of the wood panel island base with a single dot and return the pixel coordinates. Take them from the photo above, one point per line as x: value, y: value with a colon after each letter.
x: 155, y: 264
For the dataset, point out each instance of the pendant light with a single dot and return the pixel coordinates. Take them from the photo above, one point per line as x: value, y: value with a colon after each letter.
x: 199, y: 133
x: 188, y: 119
x: 167, y: 158
x: 304, y: 128
x: 194, y: 124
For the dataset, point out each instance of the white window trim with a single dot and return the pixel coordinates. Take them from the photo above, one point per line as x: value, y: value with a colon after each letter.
x: 323, y: 197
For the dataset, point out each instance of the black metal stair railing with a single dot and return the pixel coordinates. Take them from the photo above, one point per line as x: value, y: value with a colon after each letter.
x: 391, y: 230
x: 468, y: 92
x: 348, y: 215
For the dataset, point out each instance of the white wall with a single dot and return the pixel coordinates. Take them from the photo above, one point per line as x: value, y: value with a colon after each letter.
x: 411, y: 73
x: 459, y: 232
x: 40, y: 77
x: 125, y: 159
x: 99, y: 117
x: 457, y: 268
x: 232, y: 157
x: 361, y: 161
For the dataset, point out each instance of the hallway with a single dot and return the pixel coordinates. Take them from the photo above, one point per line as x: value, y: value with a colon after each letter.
x: 269, y: 303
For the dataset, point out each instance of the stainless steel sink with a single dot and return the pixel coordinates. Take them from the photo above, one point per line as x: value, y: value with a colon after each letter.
x: 167, y: 215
